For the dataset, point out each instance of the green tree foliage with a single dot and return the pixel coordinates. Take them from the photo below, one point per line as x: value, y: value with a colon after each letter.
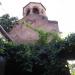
x: 7, y: 22
x: 72, y: 68
x: 68, y: 48
x: 42, y: 59
x: 1, y: 46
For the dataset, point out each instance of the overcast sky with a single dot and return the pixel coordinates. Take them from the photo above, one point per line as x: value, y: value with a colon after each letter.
x: 61, y: 10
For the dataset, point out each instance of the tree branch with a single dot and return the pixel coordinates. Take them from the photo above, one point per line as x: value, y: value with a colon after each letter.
x: 5, y: 34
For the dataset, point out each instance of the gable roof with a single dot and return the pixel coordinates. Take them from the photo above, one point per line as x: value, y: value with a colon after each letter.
x: 34, y: 3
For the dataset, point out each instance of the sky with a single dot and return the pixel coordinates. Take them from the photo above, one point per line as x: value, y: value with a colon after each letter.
x: 62, y: 11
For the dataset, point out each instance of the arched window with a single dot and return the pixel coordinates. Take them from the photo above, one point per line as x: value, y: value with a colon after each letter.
x: 28, y: 11
x: 35, y: 10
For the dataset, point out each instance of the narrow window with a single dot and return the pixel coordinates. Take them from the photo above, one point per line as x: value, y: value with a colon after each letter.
x: 28, y: 11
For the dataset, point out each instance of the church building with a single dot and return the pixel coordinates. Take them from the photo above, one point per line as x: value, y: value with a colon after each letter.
x: 34, y: 17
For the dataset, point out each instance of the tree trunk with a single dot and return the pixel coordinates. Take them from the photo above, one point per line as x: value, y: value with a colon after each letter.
x: 5, y: 34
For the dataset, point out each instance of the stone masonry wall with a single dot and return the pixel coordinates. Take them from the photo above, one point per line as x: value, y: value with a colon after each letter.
x: 21, y: 33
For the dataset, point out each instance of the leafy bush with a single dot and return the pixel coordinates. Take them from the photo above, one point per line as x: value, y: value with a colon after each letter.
x: 41, y: 59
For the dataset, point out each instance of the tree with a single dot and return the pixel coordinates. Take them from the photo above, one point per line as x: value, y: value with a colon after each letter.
x: 42, y: 58
x: 7, y: 22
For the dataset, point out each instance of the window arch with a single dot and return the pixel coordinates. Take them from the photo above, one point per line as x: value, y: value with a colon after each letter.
x: 28, y: 12
x: 35, y: 10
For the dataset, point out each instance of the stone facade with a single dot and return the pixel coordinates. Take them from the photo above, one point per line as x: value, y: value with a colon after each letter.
x: 34, y: 15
